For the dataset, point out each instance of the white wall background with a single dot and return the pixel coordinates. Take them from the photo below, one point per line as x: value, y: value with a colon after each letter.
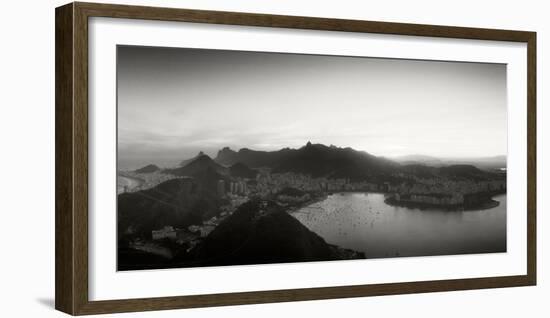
x: 27, y: 158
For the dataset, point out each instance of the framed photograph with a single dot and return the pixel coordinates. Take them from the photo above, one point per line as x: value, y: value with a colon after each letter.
x: 211, y: 158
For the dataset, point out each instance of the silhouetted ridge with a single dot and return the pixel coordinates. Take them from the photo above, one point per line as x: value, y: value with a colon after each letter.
x: 318, y: 160
x: 452, y: 172
x: 200, y: 164
x: 251, y: 158
x: 468, y: 172
x: 487, y: 163
x: 185, y: 162
x: 313, y: 159
x: 148, y: 169
x: 227, y: 156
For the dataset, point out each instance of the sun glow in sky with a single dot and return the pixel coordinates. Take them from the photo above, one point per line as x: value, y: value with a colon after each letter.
x: 173, y: 103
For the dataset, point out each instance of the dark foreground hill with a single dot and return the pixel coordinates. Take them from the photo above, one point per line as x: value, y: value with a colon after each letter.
x: 260, y: 232
x: 178, y: 202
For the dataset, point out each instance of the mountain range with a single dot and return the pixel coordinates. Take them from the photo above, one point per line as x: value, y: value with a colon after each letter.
x: 198, y: 164
x: 185, y: 162
x: 258, y: 231
x: 494, y: 162
x: 202, y: 162
x: 318, y: 160
x: 179, y: 201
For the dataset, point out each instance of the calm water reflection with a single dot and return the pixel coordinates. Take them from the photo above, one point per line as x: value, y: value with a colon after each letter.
x: 363, y: 222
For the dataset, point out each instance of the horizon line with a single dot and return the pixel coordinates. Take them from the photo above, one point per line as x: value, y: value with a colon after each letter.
x: 361, y: 150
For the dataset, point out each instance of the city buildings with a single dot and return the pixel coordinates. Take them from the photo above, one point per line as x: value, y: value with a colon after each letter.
x: 166, y: 232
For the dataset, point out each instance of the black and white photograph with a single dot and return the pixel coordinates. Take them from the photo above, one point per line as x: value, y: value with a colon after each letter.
x: 247, y: 158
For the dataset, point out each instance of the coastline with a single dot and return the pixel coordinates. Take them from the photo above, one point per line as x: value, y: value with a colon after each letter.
x: 485, y: 205
x: 296, y: 207
x: 131, y: 183
x: 339, y: 252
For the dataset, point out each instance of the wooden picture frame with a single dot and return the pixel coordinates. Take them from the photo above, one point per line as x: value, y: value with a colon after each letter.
x: 71, y: 221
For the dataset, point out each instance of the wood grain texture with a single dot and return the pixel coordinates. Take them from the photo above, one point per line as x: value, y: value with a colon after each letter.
x: 297, y: 22
x: 64, y: 235
x: 72, y: 157
x: 80, y: 125
x: 532, y: 158
x: 166, y: 303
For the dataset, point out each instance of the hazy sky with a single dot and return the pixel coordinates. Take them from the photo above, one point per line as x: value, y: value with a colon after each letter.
x: 173, y: 103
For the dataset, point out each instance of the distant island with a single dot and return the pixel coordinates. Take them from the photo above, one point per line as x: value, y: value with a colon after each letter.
x: 233, y: 209
x: 148, y: 169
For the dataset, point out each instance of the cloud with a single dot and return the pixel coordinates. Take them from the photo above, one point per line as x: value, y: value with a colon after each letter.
x: 175, y: 102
